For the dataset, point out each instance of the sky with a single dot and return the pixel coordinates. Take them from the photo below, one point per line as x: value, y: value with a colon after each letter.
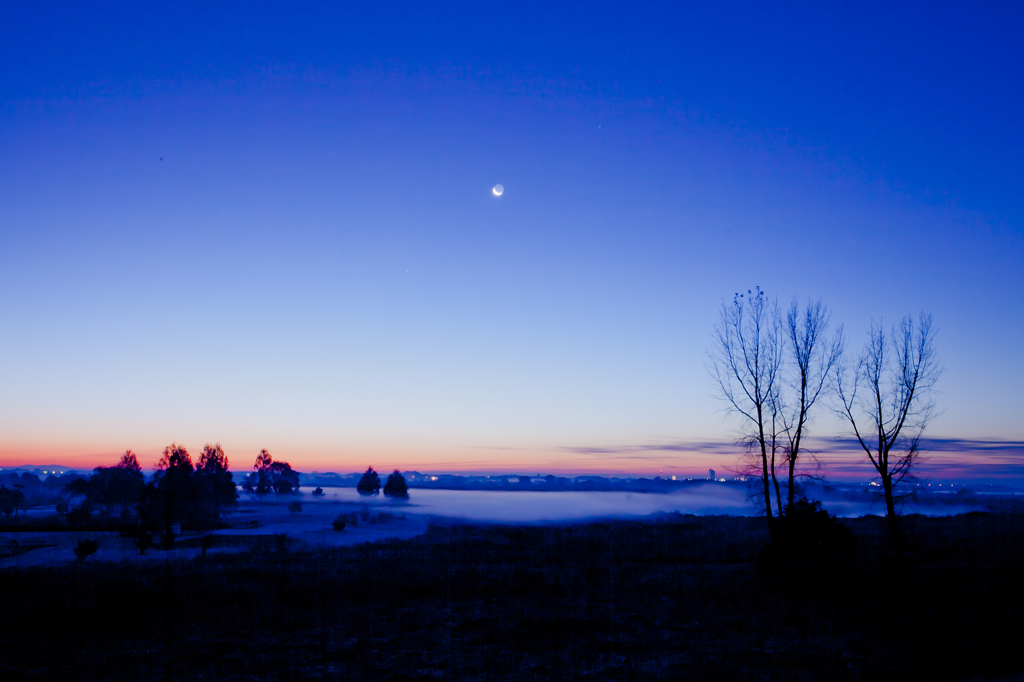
x: 271, y: 225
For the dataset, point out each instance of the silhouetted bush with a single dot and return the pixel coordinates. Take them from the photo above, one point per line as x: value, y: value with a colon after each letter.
x: 295, y: 507
x: 205, y: 543
x: 318, y: 491
x: 339, y: 523
x: 369, y: 484
x: 806, y: 527
x: 143, y: 540
x: 79, y: 515
x: 396, y: 486
x: 85, y: 548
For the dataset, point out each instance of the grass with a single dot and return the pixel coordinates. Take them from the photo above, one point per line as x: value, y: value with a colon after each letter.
x: 681, y: 598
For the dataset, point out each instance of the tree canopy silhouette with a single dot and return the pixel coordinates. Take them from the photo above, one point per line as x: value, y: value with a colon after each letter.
x: 214, y: 487
x: 10, y: 500
x: 269, y: 475
x: 396, y: 485
x: 172, y: 482
x: 369, y: 484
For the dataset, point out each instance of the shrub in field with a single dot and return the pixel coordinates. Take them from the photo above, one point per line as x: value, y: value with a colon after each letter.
x: 295, y: 507
x: 205, y: 543
x: 79, y: 516
x: 143, y: 541
x: 808, y: 527
x: 85, y: 548
x: 339, y: 523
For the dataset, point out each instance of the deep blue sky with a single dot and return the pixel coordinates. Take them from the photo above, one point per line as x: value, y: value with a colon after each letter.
x: 270, y: 224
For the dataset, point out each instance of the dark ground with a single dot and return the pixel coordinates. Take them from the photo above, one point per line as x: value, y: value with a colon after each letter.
x: 682, y: 598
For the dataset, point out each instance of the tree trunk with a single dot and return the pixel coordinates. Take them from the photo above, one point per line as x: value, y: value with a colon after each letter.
x: 778, y: 494
x: 767, y: 493
x: 890, y: 513
x: 789, y: 500
x: 168, y: 516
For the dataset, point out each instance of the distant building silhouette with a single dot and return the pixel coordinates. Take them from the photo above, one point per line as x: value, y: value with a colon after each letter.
x: 711, y: 474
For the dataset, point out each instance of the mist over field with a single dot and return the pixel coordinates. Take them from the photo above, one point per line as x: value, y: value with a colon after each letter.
x: 555, y: 507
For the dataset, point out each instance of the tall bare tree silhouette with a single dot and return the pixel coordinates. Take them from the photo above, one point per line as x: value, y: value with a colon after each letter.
x: 745, y: 362
x: 810, y: 359
x: 887, y: 399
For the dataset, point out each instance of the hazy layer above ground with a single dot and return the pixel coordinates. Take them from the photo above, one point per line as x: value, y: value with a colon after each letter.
x: 378, y: 518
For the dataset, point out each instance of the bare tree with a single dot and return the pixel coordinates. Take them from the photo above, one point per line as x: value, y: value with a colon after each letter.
x: 889, y: 401
x: 811, y: 362
x: 745, y: 361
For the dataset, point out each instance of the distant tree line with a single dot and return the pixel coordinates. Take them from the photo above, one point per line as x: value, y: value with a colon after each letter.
x: 18, y: 491
x: 192, y: 495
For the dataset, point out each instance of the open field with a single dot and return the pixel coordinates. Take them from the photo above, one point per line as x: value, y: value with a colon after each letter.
x: 679, y: 598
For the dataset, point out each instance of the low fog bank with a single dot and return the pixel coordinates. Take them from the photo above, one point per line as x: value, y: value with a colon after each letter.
x: 732, y: 499
x: 307, y: 519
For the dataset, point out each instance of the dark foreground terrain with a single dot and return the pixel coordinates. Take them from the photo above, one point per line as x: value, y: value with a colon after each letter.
x: 681, y: 598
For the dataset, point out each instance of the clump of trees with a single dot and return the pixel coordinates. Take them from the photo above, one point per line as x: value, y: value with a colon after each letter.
x: 33, y: 491
x: 270, y: 476
x: 395, y: 486
x: 116, y: 490
x: 113, y: 491
x: 773, y: 371
x: 11, y: 499
x: 179, y: 493
x: 190, y: 495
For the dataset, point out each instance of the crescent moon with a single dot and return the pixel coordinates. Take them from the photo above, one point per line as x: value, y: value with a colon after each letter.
x: 497, y: 190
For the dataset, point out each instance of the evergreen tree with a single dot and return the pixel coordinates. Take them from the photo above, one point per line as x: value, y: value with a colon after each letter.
x: 396, y: 486
x: 369, y: 484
